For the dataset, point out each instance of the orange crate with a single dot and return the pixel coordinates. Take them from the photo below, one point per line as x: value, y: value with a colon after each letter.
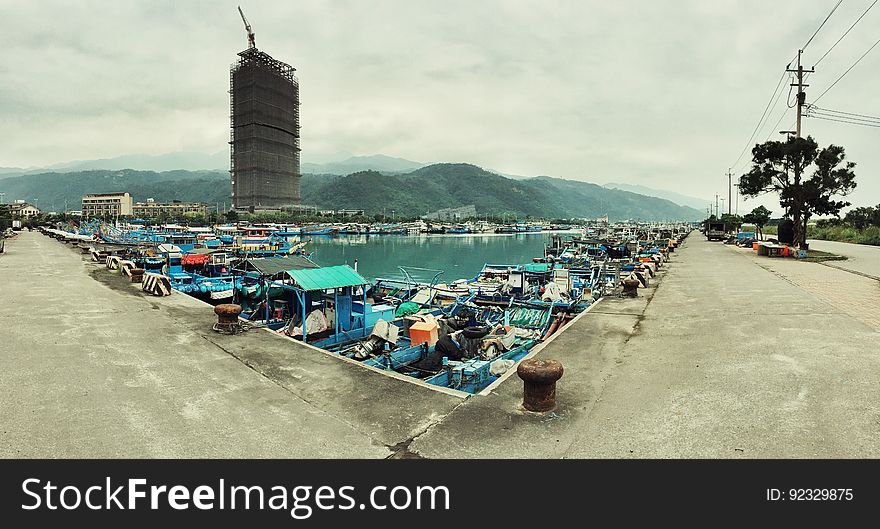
x: 421, y: 332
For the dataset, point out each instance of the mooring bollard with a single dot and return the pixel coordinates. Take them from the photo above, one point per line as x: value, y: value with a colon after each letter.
x: 136, y: 274
x: 539, y: 383
x: 631, y: 287
x: 227, y: 315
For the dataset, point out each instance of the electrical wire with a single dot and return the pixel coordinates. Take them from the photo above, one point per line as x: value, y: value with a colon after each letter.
x: 771, y: 103
x: 833, y: 9
x: 814, y: 114
x: 814, y: 107
x: 844, y: 34
x: 781, y: 117
x: 839, y: 116
x: 847, y: 122
x: 788, y: 101
x: 847, y: 71
x: 776, y: 126
x: 836, y: 116
x: 763, y: 115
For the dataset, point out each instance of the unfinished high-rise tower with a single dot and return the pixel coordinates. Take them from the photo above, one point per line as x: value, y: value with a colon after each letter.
x: 264, y: 141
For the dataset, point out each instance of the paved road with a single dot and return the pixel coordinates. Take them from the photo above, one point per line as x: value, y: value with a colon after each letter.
x: 860, y: 257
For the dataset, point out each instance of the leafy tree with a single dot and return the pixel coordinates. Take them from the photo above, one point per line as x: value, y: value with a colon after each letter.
x: 860, y: 218
x: 731, y: 221
x: 5, y: 217
x: 781, y: 167
x: 759, y: 216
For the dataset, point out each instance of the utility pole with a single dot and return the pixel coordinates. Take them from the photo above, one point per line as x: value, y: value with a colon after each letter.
x: 722, y: 204
x: 716, y: 205
x: 801, y: 95
x: 729, y: 189
x: 737, y: 198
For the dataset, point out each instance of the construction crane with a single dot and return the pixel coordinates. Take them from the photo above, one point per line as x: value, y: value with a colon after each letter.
x: 247, y: 26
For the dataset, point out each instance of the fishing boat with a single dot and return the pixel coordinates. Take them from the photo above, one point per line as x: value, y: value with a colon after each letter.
x: 319, y: 230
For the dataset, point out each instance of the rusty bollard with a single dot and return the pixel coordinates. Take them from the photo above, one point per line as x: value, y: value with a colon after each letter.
x: 227, y: 316
x: 539, y: 383
x: 631, y: 287
x: 137, y: 275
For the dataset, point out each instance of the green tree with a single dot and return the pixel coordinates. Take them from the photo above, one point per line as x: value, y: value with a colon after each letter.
x: 781, y: 167
x: 759, y: 216
x: 731, y: 221
x: 860, y: 218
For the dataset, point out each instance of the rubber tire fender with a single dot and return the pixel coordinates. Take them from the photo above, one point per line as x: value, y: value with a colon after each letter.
x: 475, y: 333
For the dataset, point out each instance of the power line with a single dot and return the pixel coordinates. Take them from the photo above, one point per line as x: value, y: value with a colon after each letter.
x: 837, y: 116
x: 840, y: 116
x: 772, y: 130
x: 776, y: 126
x: 847, y: 71
x: 771, y: 103
x: 788, y: 97
x: 828, y: 110
x: 855, y: 121
x: 763, y: 115
x: 833, y: 9
x: 844, y: 34
x: 847, y: 122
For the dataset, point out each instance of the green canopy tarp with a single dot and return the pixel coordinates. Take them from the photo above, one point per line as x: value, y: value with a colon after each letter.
x: 327, y: 277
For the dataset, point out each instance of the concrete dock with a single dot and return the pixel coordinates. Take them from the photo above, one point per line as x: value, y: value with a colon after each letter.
x: 727, y: 355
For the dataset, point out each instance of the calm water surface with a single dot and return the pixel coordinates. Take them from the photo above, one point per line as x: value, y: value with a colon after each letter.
x: 459, y: 256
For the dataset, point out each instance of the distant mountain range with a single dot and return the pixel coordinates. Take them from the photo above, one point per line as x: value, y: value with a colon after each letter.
x: 682, y: 200
x: 408, y: 193
x: 187, y: 161
x: 338, y: 164
x: 353, y: 164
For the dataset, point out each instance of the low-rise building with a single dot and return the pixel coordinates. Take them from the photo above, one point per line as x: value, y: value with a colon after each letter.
x: 23, y: 209
x: 152, y: 209
x: 342, y: 212
x: 106, y: 204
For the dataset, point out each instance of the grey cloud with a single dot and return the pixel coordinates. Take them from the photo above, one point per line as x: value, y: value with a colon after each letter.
x: 662, y: 93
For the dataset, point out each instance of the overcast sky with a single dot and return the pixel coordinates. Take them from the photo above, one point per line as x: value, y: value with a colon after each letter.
x: 659, y: 93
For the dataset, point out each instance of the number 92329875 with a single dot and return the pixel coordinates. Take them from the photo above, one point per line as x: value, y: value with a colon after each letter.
x: 809, y: 494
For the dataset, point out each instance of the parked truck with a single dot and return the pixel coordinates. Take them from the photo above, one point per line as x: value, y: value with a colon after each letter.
x: 716, y: 231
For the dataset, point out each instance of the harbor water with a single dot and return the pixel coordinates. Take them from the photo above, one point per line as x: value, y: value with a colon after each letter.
x: 458, y: 256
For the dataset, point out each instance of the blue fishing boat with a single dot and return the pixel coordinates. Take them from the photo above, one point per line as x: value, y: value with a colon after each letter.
x: 319, y: 230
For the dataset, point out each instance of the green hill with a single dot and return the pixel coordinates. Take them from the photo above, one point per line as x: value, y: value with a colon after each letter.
x: 409, y: 194
x: 448, y: 185
x: 53, y: 190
